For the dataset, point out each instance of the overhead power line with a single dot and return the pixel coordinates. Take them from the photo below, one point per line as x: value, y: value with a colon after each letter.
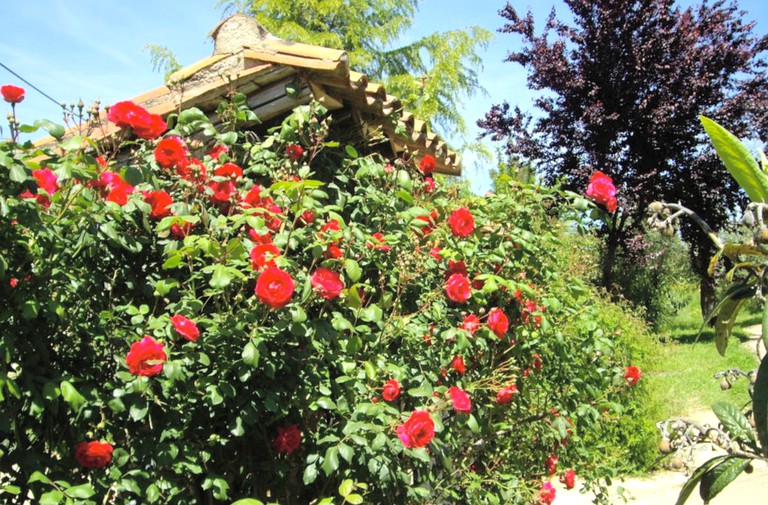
x: 46, y: 95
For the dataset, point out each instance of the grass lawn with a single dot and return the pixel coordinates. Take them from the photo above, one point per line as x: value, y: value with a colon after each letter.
x: 681, y: 373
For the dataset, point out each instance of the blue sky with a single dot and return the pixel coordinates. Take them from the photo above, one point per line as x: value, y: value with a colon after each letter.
x: 90, y: 49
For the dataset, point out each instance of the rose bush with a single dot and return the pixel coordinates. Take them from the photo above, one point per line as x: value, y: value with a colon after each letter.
x: 106, y: 290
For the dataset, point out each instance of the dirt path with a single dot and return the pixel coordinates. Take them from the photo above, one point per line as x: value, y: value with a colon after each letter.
x: 663, y: 487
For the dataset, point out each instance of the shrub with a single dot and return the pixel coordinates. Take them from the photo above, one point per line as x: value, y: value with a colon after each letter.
x: 229, y: 326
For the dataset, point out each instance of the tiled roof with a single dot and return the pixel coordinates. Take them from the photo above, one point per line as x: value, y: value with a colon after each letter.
x: 277, y: 75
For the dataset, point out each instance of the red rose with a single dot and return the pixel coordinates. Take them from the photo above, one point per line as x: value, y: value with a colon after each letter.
x: 428, y: 164
x: 307, y: 217
x: 287, y: 439
x: 551, y: 464
x: 150, y: 128
x: 379, y: 243
x: 294, y: 151
x: 217, y: 151
x: 145, y: 125
x: 333, y: 252
x: 115, y: 188
x: 458, y: 364
x: 632, y: 375
x: 229, y: 170
x: 193, y: 170
x: 602, y: 191
x: 93, y: 454
x: 171, y: 152
x: 259, y: 239
x: 461, y: 401
x: 498, y: 322
x: 457, y: 288
x: 429, y: 185
x: 222, y: 192
x: 253, y: 198
x: 179, y: 231
x: 537, y: 363
x: 461, y: 222
x: 418, y: 430
x: 391, y: 390
x: 431, y: 219
x: 125, y: 114
x: 274, y: 287
x: 505, y: 395
x: 12, y: 94
x: 330, y: 226
x: 160, y: 202
x: 568, y: 478
x: 46, y: 180
x: 435, y: 253
x: 327, y: 282
x: 547, y: 494
x: 471, y: 324
x: 185, y: 327
x: 263, y: 255
x: 146, y: 357
x: 456, y: 267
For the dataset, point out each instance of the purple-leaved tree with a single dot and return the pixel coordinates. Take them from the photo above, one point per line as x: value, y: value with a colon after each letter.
x: 622, y: 86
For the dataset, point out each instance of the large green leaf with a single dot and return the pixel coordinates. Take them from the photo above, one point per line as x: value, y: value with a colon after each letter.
x: 726, y: 311
x: 715, y: 479
x: 760, y: 404
x: 694, y: 479
x: 734, y: 421
x: 738, y: 160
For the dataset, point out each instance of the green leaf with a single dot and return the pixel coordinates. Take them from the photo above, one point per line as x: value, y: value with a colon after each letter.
x: 371, y: 314
x: 716, y: 478
x: 346, y: 451
x: 351, y: 151
x: 472, y: 424
x: 760, y: 404
x: 346, y: 487
x: 421, y: 391
x: 310, y: 474
x: 251, y: 354
x: 81, y: 491
x: 248, y: 501
x: 221, y: 277
x: 51, y: 497
x: 54, y: 130
x: 326, y: 403
x: 724, y: 324
x: 354, y: 499
x: 18, y: 173
x: 71, y: 395
x: 695, y: 478
x: 133, y: 176
x: 138, y: 410
x: 38, y: 477
x: 734, y: 421
x: 738, y: 161
x: 331, y: 460
x: 353, y: 270
x: 192, y: 115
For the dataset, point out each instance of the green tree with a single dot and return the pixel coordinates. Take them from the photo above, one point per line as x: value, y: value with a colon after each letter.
x: 431, y: 75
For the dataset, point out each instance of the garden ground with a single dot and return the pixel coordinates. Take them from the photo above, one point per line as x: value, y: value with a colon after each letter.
x: 663, y: 487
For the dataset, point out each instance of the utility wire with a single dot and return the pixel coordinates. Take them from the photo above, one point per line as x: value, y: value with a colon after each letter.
x: 31, y: 85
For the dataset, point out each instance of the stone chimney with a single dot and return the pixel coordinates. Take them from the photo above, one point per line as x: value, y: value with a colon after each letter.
x: 237, y: 31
